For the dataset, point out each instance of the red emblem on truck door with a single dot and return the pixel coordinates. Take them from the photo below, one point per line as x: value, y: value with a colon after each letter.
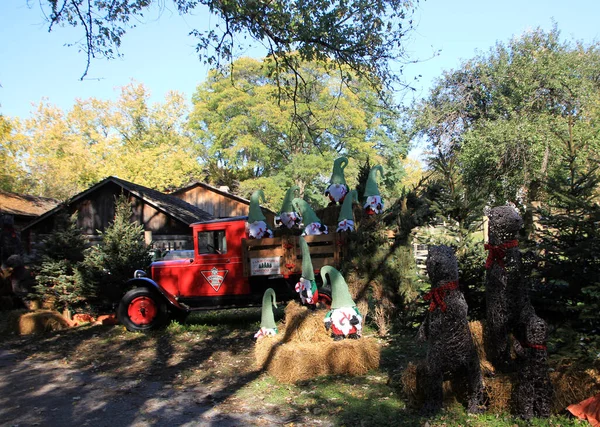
x: 215, y: 277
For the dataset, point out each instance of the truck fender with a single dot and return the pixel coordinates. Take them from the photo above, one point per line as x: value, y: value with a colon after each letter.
x: 146, y: 282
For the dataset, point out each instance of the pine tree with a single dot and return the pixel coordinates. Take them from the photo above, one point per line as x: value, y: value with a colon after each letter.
x: 108, y: 266
x: 62, y: 251
x: 569, y: 242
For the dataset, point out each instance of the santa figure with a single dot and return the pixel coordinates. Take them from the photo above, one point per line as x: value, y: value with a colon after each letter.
x: 288, y: 217
x: 346, y: 216
x: 306, y: 286
x: 256, y: 225
x: 312, y: 224
x: 268, y: 327
x: 344, y: 320
x: 337, y: 188
x: 373, y: 204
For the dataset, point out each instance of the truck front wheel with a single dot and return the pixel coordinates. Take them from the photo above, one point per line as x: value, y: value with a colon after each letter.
x: 142, y: 309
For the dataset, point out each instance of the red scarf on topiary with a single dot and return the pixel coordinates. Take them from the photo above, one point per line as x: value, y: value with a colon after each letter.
x: 533, y: 346
x: 498, y: 252
x: 438, y: 294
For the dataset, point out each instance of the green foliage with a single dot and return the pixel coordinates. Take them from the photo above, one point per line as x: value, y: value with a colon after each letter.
x: 107, y: 267
x: 569, y: 242
x: 58, y: 278
x: 59, y: 153
x: 364, y: 37
x: 254, y: 131
x: 505, y: 115
x: 387, y: 278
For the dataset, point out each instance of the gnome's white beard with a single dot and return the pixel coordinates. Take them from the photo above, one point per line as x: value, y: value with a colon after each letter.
x: 290, y: 219
x: 258, y: 230
x: 340, y: 319
x: 345, y: 225
x: 314, y: 229
x: 337, y: 192
x: 374, y: 203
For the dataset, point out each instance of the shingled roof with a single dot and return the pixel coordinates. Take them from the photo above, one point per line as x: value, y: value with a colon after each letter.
x: 170, y: 205
x: 25, y: 205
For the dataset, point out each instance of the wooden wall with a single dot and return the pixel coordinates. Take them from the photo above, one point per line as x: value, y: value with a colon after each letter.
x: 217, y: 204
x: 96, y: 211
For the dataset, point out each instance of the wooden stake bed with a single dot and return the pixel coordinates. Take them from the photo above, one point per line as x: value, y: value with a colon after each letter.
x: 282, y: 255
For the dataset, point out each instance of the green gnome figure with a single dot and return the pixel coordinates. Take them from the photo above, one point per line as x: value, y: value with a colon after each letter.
x: 344, y: 319
x: 312, y: 223
x: 288, y: 215
x: 337, y: 189
x: 346, y: 217
x: 373, y: 204
x: 306, y: 286
x: 256, y: 226
x: 268, y: 327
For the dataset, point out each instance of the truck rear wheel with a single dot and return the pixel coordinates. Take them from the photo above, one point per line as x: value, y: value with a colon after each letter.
x: 142, y: 309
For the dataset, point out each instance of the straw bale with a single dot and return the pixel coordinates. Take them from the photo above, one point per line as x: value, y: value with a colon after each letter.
x: 352, y: 357
x: 41, y: 321
x: 499, y: 390
x: 9, y: 321
x: 476, y: 328
x: 573, y: 384
x: 293, y: 361
x: 302, y: 324
x: 413, y: 393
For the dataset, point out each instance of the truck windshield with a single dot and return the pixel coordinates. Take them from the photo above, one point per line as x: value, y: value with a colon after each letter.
x: 212, y: 242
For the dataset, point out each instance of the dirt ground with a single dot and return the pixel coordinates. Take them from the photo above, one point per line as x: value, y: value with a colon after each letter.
x: 106, y: 376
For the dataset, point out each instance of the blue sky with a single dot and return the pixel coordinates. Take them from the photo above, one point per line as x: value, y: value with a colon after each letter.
x: 35, y: 64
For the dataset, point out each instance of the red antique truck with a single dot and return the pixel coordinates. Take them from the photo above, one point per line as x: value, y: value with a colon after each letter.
x: 227, y: 270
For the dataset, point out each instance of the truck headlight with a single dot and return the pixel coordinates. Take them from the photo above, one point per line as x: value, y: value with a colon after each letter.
x: 139, y: 273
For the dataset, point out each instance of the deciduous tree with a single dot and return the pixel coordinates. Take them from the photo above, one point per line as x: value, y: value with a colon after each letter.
x: 360, y: 37
x: 254, y: 130
x: 507, y: 115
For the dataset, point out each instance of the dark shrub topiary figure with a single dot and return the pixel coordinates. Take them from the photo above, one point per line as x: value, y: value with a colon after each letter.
x: 451, y: 351
x: 534, y: 391
x: 506, y: 294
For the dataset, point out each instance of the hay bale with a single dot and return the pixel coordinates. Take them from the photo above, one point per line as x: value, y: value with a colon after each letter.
x: 408, y: 382
x: 572, y: 384
x: 304, y: 325
x: 9, y: 321
x: 293, y: 361
x: 40, y: 322
x: 477, y: 331
x: 499, y: 390
x: 413, y: 393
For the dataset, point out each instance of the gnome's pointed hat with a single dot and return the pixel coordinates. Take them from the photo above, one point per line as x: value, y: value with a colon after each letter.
x: 308, y: 271
x: 371, y: 188
x: 255, y: 214
x: 287, y: 200
x: 346, y: 211
x: 308, y: 215
x: 337, y: 177
x: 267, y: 319
x: 340, y: 296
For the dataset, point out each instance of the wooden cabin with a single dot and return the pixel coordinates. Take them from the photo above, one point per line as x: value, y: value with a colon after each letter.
x: 24, y: 208
x: 165, y: 218
x: 218, y: 202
